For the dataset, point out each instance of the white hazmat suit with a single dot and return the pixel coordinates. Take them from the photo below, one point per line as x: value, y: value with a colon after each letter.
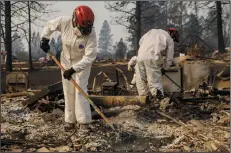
x: 153, y: 45
x: 78, y: 52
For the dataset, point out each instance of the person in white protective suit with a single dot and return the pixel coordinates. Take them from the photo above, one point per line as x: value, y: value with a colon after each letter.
x: 131, y: 67
x: 150, y: 63
x: 79, y: 50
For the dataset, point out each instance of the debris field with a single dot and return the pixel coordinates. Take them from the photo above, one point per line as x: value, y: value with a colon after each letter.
x: 196, y: 120
x: 185, y: 127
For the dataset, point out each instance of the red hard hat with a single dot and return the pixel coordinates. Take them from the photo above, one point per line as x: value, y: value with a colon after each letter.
x: 83, y: 18
x: 174, y: 34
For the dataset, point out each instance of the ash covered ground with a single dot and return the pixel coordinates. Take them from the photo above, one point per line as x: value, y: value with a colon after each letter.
x: 188, y: 127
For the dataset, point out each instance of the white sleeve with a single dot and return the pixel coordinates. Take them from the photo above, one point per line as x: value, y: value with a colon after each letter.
x: 132, y: 61
x: 141, y: 40
x: 53, y: 25
x: 90, y: 54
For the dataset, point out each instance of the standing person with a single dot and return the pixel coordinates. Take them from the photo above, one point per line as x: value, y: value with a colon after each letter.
x: 79, y: 50
x: 153, y: 46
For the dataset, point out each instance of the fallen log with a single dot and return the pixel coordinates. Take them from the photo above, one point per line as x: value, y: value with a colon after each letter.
x: 18, y: 94
x: 112, y: 101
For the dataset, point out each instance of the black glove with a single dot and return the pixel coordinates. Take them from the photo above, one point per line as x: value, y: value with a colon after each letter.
x: 44, y: 44
x: 163, y: 71
x: 68, y: 73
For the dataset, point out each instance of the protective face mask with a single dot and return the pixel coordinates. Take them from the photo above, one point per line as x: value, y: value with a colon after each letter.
x: 77, y: 32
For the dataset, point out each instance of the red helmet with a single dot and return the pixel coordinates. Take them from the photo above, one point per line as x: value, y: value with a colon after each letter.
x: 83, y: 19
x: 174, y: 34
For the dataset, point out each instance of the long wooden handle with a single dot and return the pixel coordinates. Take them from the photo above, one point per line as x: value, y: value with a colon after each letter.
x: 83, y: 93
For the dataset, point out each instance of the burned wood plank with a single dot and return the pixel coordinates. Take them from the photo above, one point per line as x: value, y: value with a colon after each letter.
x: 23, y: 93
x: 16, y: 94
x: 52, y: 89
x: 36, y: 97
x: 169, y: 117
x: 199, y: 99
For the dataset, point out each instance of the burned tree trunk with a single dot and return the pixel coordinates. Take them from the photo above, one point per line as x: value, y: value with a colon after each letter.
x: 8, y: 45
x: 29, y: 42
x: 221, y: 44
x: 112, y: 101
x: 138, y: 24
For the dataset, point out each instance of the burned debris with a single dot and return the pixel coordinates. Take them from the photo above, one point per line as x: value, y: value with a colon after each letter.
x: 163, y: 87
x: 193, y: 116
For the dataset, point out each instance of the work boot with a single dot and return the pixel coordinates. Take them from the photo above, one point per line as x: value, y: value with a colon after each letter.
x: 153, y: 101
x: 150, y: 98
x: 84, y: 129
x: 159, y: 95
x: 68, y: 126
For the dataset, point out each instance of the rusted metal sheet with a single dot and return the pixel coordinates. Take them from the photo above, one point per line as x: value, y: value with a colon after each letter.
x: 175, y: 74
x: 109, y: 88
x: 221, y: 74
x: 17, y: 81
x: 195, y: 72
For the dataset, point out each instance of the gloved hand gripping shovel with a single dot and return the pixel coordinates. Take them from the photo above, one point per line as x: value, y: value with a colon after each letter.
x: 82, y: 92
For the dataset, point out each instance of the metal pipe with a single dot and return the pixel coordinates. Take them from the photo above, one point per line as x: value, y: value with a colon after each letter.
x: 174, y: 82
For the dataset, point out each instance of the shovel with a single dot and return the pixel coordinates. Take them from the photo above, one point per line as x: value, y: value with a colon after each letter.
x: 82, y: 92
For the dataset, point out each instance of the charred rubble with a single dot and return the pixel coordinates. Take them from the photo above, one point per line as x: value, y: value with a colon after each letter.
x: 193, y: 116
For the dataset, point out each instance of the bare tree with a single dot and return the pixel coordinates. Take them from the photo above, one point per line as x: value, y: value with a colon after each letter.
x: 138, y: 23
x: 29, y: 41
x: 23, y: 15
x: 226, y: 25
x: 140, y: 16
x: 221, y: 43
x: 8, y: 36
x: 20, y: 19
x: 214, y: 19
x: 128, y: 13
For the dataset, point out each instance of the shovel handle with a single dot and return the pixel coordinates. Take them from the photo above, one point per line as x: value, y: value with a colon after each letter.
x: 82, y: 92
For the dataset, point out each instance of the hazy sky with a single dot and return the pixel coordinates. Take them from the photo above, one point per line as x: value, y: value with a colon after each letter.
x: 66, y: 8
